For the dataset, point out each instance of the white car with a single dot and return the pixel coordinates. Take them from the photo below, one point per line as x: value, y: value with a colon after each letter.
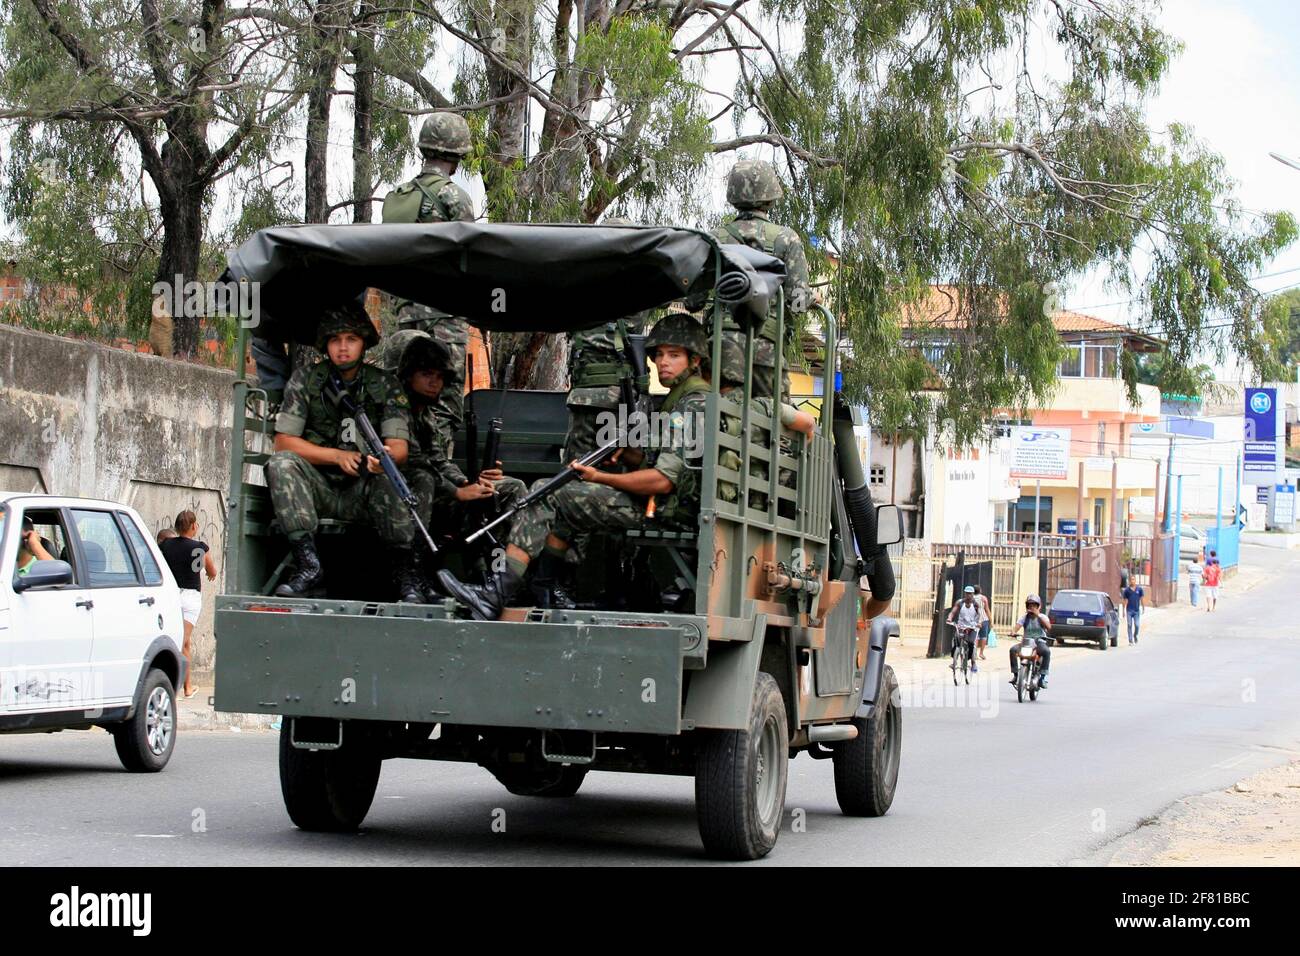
x: 91, y: 638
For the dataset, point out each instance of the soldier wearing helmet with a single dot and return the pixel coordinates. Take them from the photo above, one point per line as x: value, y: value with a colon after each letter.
x: 752, y: 187
x: 319, y: 469
x: 422, y: 365
x: 432, y: 197
x: 732, y: 386
x: 605, y: 501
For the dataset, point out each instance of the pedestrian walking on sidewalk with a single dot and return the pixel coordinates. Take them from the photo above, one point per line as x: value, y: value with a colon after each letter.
x: 1133, y: 610
x: 1195, y: 574
x: 1213, y: 574
x: 186, y: 557
x: 983, y: 601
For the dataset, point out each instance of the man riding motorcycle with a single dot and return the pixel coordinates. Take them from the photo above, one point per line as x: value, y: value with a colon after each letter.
x: 1036, y: 627
x: 969, y: 617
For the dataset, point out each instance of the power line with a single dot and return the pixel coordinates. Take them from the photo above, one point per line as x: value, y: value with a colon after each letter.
x: 1107, y: 305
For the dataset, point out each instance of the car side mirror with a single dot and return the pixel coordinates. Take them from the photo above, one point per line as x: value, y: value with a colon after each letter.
x: 44, y: 574
x: 889, y: 524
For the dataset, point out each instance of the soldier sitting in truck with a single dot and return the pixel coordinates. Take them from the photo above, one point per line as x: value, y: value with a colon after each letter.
x: 664, y: 484
x: 447, y: 495
x: 318, y: 470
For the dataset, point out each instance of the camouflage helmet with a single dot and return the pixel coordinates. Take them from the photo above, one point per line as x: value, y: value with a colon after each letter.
x: 753, y: 183
x: 733, y: 362
x: 618, y: 221
x: 348, y: 318
x: 410, y: 350
x: 445, y: 133
x: 680, y: 330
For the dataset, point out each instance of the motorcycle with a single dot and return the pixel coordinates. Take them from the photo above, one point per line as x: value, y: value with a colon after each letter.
x: 1027, y: 675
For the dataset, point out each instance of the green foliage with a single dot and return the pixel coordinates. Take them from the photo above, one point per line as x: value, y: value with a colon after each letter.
x: 936, y: 180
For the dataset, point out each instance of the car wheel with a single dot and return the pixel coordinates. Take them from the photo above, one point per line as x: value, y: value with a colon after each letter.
x: 1104, y: 639
x: 145, y: 742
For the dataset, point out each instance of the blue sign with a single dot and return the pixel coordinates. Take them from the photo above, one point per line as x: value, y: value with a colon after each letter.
x: 1261, y: 458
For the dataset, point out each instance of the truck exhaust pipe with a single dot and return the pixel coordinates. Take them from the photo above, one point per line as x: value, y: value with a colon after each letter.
x: 862, y: 512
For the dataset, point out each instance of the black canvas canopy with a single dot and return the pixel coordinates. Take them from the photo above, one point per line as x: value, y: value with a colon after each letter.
x: 503, y: 277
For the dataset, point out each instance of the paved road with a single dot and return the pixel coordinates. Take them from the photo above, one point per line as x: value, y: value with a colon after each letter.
x: 1202, y: 702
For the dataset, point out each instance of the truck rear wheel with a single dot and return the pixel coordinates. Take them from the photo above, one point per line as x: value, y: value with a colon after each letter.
x: 556, y: 780
x: 327, y: 790
x: 740, y: 779
x: 866, y: 767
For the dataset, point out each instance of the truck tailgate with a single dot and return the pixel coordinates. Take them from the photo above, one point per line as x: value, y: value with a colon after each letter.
x: 375, y: 667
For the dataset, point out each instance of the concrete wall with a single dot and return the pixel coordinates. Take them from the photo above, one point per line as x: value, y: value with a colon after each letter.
x: 77, y: 418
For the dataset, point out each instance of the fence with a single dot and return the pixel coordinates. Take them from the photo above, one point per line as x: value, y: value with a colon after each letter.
x: 1062, y: 562
x: 1225, y: 540
x: 918, y: 577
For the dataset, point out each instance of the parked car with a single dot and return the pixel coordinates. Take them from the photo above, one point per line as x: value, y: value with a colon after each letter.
x: 92, y: 636
x: 1191, y: 542
x: 1091, y: 615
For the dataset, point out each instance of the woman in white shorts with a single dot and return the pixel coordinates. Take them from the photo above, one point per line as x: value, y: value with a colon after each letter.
x: 185, y: 556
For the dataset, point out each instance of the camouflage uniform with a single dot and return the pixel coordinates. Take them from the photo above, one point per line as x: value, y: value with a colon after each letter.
x: 752, y: 187
x: 596, y: 365
x: 303, y: 493
x: 432, y: 197
x: 582, y: 507
x: 430, y: 471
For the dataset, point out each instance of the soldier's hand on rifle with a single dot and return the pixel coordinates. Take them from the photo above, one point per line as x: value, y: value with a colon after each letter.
x: 585, y: 472
x: 474, y: 491
x: 630, y: 456
x: 348, y: 461
x: 492, y: 474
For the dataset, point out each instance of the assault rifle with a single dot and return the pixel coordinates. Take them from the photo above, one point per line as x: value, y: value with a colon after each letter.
x: 336, y: 390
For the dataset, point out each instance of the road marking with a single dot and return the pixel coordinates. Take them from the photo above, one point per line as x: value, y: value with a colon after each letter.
x: 156, y: 836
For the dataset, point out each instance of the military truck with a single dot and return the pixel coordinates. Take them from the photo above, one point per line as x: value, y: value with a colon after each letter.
x: 732, y: 646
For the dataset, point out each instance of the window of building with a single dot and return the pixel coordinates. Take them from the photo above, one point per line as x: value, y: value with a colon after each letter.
x: 1090, y: 360
x: 877, y: 474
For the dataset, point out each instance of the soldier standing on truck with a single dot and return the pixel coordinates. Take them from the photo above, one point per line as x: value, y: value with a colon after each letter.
x: 318, y: 469
x: 604, y: 501
x: 446, y: 493
x: 753, y: 187
x: 432, y: 197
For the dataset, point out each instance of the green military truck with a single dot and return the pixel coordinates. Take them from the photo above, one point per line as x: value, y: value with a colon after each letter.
x: 728, y: 647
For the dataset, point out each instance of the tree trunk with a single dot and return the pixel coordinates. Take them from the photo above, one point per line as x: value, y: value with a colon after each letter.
x: 181, y: 194
x: 363, y: 58
x: 506, y: 120
x: 324, y: 48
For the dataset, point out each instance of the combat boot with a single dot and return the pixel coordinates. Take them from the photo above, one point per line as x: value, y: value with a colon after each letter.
x: 485, y: 602
x: 410, y: 589
x: 547, y: 587
x: 308, y: 579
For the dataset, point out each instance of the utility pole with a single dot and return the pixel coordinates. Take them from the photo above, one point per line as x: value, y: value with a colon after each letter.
x: 1169, y: 477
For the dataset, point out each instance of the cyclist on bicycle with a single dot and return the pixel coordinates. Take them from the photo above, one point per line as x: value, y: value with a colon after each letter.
x: 1036, y: 626
x: 969, y: 616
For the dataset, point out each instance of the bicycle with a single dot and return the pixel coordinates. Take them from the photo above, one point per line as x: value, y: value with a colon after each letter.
x: 961, y: 653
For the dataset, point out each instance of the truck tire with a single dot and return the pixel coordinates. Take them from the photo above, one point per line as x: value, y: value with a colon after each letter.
x: 866, y: 767
x: 740, y: 779
x: 145, y: 742
x: 327, y: 790
x: 558, y: 780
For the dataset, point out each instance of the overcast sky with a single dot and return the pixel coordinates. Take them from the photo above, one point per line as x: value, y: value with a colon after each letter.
x: 1237, y: 84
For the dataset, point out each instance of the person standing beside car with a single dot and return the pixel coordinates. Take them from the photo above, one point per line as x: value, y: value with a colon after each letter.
x: 1133, y: 610
x: 185, y: 556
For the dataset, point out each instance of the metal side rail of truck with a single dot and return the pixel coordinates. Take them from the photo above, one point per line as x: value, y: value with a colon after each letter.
x: 718, y: 650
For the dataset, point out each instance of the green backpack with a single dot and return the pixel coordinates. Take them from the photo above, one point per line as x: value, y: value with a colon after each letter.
x: 414, y: 200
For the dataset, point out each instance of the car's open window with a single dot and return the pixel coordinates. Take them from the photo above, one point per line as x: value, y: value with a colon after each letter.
x: 148, y: 566
x: 108, y: 563
x: 48, y: 523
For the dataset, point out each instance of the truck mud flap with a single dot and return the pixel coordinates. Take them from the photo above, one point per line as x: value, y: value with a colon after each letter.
x: 573, y: 676
x: 882, y: 629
